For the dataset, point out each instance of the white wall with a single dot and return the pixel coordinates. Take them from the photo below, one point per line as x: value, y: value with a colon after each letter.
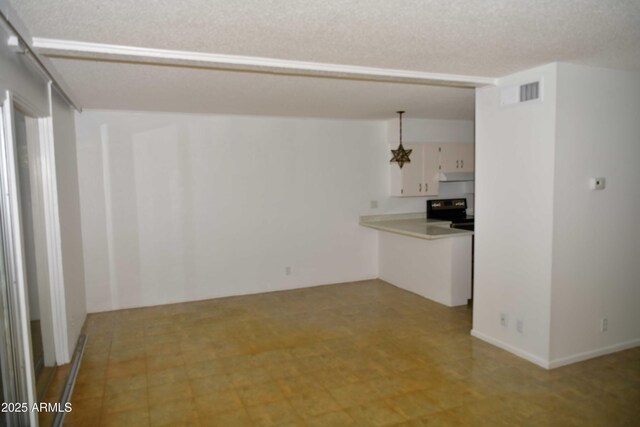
x: 180, y: 207
x: 596, y: 242
x: 514, y: 216
x: 64, y: 139
x: 419, y: 131
x: 560, y: 257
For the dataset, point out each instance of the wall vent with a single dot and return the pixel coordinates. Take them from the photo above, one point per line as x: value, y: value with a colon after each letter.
x: 522, y: 93
x: 530, y: 91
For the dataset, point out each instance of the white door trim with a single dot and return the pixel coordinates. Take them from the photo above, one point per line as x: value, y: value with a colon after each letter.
x: 40, y: 240
x: 54, y: 242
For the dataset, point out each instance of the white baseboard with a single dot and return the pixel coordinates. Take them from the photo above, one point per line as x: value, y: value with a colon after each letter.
x: 567, y: 360
x: 195, y: 298
x: 511, y: 349
x: 562, y: 361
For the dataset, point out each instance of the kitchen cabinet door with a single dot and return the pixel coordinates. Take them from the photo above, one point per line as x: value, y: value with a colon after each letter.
x: 449, y: 157
x: 467, y: 158
x: 430, y: 170
x: 408, y: 181
x: 456, y: 157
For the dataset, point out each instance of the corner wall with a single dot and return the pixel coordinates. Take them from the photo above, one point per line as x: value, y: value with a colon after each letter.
x: 514, y: 216
x: 550, y: 252
x: 596, y: 241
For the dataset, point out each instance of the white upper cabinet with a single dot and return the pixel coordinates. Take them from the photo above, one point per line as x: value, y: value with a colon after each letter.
x: 407, y: 181
x: 451, y: 151
x: 430, y: 171
x: 421, y: 176
x: 456, y: 157
x: 418, y: 177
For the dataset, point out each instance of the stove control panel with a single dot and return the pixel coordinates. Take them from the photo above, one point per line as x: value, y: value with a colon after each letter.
x: 446, y: 204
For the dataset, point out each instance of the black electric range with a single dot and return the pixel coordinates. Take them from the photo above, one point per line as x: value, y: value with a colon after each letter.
x: 454, y: 210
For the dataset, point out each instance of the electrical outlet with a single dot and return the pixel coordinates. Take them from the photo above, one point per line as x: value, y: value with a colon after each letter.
x: 504, y: 320
x: 604, y: 324
x: 374, y: 204
x: 520, y: 326
x: 287, y: 271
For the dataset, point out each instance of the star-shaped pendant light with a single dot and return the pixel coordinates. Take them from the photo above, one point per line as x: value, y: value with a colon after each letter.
x: 401, y: 156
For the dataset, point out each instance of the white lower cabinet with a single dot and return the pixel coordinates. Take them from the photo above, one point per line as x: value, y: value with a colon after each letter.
x: 437, y: 269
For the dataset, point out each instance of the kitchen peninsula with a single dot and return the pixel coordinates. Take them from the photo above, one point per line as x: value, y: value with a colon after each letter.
x: 423, y: 256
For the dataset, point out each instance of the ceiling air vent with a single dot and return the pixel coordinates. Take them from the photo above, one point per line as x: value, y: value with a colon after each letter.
x: 522, y: 93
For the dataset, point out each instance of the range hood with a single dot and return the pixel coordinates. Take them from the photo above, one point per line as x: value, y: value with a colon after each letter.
x: 455, y: 176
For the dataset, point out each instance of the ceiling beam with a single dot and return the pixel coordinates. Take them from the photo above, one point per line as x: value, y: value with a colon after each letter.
x: 129, y: 54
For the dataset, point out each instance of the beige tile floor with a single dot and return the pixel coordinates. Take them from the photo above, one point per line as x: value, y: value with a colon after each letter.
x: 365, y: 354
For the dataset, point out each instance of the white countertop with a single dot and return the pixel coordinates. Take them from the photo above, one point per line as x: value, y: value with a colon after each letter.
x: 414, y: 225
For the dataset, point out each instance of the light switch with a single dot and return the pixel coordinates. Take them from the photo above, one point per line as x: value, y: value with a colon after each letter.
x: 596, y: 183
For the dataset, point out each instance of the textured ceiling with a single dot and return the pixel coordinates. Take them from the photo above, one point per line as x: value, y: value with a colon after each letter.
x: 482, y: 38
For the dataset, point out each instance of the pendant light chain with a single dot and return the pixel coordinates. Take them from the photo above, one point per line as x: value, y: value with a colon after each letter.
x: 400, y: 113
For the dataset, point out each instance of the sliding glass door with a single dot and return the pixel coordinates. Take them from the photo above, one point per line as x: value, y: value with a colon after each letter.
x: 24, y: 164
x: 7, y: 386
x: 16, y: 229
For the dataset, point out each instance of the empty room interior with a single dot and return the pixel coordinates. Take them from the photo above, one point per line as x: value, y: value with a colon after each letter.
x: 256, y: 213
